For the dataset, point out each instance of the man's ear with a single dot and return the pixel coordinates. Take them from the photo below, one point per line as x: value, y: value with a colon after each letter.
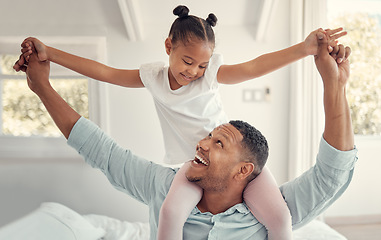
x: 245, y: 169
x: 168, y: 45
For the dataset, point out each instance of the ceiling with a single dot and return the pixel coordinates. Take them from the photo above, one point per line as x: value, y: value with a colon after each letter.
x: 139, y: 14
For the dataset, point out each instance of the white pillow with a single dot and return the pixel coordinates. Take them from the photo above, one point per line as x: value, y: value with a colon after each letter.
x: 51, y: 221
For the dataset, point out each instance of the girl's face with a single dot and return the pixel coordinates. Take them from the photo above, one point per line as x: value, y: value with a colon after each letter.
x: 187, y: 62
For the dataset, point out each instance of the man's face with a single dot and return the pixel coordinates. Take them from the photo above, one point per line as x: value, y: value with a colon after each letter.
x: 216, y: 159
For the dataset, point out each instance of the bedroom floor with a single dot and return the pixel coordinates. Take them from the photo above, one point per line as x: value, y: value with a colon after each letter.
x: 360, y: 231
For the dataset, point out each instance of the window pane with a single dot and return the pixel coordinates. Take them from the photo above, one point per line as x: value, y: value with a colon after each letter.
x: 24, y: 114
x: 362, y: 20
x: 6, y: 65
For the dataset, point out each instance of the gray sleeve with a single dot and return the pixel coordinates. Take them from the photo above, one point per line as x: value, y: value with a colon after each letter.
x: 127, y: 172
x: 314, y: 191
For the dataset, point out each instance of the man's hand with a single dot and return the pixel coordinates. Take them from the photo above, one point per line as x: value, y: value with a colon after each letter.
x: 332, y: 71
x: 338, y: 131
x: 38, y: 81
x: 28, y: 46
x: 37, y: 74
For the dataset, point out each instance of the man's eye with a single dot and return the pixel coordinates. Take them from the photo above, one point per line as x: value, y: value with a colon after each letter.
x: 219, y: 143
x: 188, y: 63
x: 202, y: 67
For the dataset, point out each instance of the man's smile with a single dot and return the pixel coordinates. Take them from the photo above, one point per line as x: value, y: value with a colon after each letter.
x: 200, y: 159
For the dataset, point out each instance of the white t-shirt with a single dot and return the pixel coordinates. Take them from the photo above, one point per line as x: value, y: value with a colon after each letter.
x: 187, y: 114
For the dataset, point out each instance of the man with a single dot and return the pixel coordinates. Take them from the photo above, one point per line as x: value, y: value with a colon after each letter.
x: 220, y: 166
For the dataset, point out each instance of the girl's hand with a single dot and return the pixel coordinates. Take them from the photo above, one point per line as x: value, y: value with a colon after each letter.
x: 28, y: 46
x: 311, y: 42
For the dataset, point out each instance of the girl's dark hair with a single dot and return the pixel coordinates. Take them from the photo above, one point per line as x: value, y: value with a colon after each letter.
x: 188, y: 27
x: 256, y: 149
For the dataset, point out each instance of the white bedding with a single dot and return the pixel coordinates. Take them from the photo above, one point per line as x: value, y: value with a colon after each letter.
x: 119, y: 230
x: 51, y: 221
x: 58, y: 222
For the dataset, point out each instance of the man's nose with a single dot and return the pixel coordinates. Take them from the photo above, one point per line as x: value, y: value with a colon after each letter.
x: 203, y: 144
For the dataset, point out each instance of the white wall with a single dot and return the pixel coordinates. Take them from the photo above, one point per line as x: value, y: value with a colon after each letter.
x: 363, y: 196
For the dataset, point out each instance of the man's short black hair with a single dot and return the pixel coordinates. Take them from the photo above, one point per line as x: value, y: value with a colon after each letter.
x: 254, y: 144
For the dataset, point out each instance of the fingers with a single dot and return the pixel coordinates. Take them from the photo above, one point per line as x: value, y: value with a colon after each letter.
x: 26, y: 49
x: 341, y: 53
x: 320, y: 33
x: 28, y: 40
x: 335, y: 34
x: 20, y: 65
x: 16, y: 66
x: 335, y: 50
x: 23, y: 68
x: 26, y: 52
x: 322, y: 44
x: 333, y: 31
x: 348, y: 52
x: 20, y: 62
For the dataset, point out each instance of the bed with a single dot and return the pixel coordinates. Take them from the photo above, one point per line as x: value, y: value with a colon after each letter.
x: 56, y: 221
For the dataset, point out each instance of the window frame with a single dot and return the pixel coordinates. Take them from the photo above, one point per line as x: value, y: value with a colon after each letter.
x: 39, y: 147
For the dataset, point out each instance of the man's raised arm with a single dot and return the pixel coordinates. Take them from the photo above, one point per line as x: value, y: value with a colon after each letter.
x: 338, y: 130
x: 38, y: 81
x: 125, y: 171
x: 315, y: 190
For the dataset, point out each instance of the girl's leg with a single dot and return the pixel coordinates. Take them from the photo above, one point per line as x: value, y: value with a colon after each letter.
x: 263, y: 197
x: 182, y: 197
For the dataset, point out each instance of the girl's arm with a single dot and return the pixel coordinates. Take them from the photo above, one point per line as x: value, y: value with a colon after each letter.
x: 84, y: 66
x: 264, y: 64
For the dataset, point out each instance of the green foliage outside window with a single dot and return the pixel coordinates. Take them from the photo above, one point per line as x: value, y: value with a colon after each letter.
x: 364, y: 87
x: 23, y: 114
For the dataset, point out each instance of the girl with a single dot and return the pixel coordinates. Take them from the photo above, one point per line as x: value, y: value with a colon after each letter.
x: 187, y: 100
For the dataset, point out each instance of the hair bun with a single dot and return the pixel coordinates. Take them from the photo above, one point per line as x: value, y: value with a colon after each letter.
x: 212, y: 19
x: 181, y: 11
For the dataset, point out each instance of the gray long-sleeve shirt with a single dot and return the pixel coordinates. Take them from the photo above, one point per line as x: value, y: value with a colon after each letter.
x: 306, y: 197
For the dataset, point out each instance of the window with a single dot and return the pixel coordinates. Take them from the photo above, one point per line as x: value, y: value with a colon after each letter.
x: 22, y: 111
x: 362, y: 20
x: 27, y: 130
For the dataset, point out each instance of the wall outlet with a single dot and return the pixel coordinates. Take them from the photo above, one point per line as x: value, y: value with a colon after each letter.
x: 256, y: 95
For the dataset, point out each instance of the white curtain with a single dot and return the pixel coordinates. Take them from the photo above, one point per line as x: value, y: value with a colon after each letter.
x: 306, y: 104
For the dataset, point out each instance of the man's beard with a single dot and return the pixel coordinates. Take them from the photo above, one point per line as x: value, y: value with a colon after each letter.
x: 208, y: 184
x: 193, y: 179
